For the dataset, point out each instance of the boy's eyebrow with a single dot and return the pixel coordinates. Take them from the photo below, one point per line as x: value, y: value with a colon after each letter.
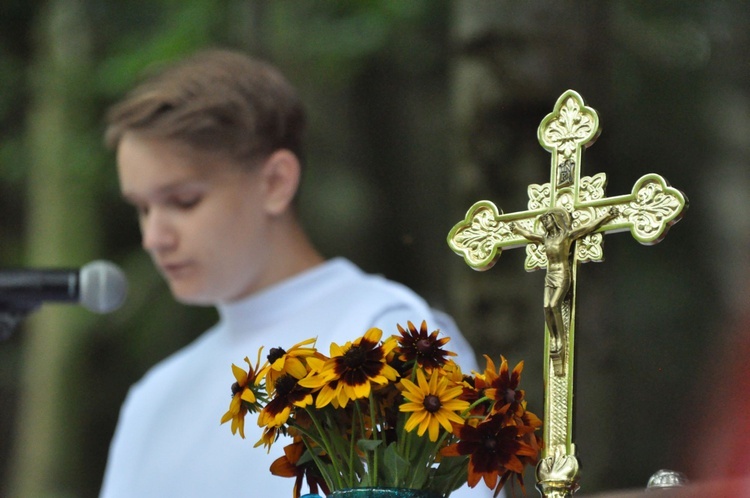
x: 162, y: 191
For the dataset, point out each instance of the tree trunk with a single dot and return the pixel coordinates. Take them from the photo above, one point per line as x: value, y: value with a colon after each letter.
x: 61, y: 215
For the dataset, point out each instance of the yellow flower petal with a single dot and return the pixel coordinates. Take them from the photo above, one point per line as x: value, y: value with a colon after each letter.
x: 315, y: 364
x: 227, y: 417
x: 234, y: 405
x: 414, y: 420
x: 433, y: 385
x: 239, y: 374
x: 444, y: 417
x: 456, y: 405
x: 362, y: 390
x: 373, y: 335
x: 411, y: 407
x: 411, y: 387
x: 423, y: 386
x: 278, y: 365
x: 248, y: 395
x: 434, y: 430
x: 451, y: 393
x: 325, y: 396
x: 424, y: 424
x: 295, y: 368
x: 336, y: 350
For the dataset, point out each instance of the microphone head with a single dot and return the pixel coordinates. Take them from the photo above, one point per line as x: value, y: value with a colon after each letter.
x: 102, y: 286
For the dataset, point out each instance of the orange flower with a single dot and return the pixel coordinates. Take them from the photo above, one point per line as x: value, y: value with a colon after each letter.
x: 288, y: 466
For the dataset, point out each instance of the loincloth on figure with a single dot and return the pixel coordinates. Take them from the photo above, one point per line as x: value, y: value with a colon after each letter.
x: 554, y: 278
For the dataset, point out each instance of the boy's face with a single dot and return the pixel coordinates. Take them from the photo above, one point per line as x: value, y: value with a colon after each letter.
x: 202, y: 218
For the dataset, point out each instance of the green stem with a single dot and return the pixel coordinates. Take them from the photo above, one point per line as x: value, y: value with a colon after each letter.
x: 309, y: 435
x: 474, y: 405
x: 376, y: 435
x: 406, y: 448
x: 322, y: 467
x: 353, y: 443
x: 327, y: 445
x: 438, y: 445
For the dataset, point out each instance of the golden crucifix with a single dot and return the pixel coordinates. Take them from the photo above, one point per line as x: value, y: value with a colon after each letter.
x: 562, y: 228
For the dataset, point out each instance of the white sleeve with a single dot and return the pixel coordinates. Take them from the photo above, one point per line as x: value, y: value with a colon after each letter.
x: 478, y: 491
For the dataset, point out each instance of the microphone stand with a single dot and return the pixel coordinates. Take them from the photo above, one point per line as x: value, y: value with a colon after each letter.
x: 12, y: 314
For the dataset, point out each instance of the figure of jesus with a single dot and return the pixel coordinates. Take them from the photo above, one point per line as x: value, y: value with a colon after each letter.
x: 558, y: 239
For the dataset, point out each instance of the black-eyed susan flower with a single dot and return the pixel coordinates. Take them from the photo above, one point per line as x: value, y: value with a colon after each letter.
x: 351, y: 370
x: 269, y: 436
x: 244, y: 397
x: 433, y: 404
x: 417, y: 346
x: 282, y: 362
x: 495, y: 450
x: 502, y: 387
x: 287, y: 393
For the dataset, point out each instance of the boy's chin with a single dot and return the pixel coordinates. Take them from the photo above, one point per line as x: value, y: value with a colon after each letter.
x: 193, y: 298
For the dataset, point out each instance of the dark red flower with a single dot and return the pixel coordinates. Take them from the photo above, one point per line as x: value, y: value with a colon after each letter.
x: 426, y: 350
x: 502, y: 387
x: 494, y: 450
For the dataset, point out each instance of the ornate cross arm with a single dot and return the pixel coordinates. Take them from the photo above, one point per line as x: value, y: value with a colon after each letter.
x: 647, y: 212
x: 485, y: 232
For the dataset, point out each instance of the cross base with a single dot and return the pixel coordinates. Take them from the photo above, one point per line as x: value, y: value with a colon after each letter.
x: 557, y: 475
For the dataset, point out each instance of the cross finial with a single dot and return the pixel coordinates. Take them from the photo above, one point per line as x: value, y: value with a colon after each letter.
x: 562, y: 228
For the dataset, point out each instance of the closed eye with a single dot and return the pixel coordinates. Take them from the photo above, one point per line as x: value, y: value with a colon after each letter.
x: 185, y: 202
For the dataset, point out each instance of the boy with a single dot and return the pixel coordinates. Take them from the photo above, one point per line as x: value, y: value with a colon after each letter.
x: 208, y: 152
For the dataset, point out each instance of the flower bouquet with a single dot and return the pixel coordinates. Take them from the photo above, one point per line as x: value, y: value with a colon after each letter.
x: 396, y: 413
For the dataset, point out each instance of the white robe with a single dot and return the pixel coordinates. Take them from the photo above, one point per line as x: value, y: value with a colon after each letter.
x: 169, y: 441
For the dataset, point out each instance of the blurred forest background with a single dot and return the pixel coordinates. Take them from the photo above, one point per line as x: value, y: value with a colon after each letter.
x: 418, y: 108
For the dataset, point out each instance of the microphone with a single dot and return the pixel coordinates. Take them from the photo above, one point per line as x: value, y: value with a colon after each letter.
x: 99, y: 286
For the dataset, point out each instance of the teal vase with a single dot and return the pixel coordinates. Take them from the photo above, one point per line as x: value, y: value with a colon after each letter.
x: 380, y: 493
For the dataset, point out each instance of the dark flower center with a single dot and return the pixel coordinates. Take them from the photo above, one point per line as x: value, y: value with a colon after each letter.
x: 490, y: 444
x: 236, y: 388
x: 510, y: 395
x: 355, y: 357
x: 284, y: 385
x: 424, y: 346
x: 274, y: 354
x: 431, y: 403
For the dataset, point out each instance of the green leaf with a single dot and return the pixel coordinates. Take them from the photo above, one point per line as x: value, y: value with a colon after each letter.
x: 394, y: 468
x: 450, y: 474
x: 369, y: 444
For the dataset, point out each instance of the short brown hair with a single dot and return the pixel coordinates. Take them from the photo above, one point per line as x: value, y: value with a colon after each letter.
x: 216, y: 100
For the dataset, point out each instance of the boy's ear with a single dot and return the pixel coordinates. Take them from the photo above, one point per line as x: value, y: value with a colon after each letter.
x: 281, y: 176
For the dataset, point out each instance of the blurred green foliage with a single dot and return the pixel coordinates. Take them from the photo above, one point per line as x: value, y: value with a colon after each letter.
x: 385, y: 113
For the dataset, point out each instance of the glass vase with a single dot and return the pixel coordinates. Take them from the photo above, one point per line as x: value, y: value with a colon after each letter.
x: 379, y: 493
